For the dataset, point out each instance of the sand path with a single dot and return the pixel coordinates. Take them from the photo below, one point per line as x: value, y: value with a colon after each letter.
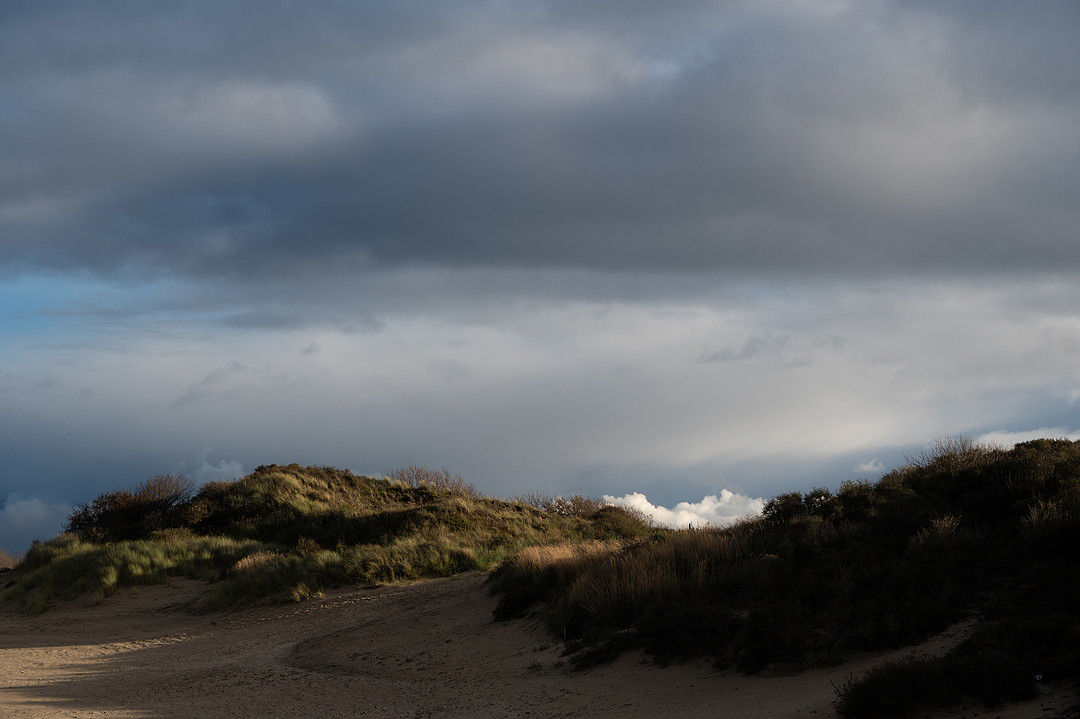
x: 425, y: 650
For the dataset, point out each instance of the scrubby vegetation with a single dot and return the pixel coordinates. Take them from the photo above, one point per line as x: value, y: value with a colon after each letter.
x: 290, y: 532
x: 961, y: 530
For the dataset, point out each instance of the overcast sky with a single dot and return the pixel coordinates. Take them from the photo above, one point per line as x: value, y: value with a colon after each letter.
x: 697, y: 252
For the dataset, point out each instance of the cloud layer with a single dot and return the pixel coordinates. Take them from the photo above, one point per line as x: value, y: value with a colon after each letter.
x: 590, y: 246
x: 868, y: 137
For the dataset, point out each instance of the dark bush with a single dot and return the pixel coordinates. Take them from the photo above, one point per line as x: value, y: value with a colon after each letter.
x: 785, y: 507
x: 123, y: 514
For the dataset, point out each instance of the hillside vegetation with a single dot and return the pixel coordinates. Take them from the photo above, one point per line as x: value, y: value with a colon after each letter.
x: 961, y: 531
x: 292, y: 531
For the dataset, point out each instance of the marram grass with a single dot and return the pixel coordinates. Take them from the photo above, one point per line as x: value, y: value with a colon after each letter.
x: 290, y: 533
x: 960, y: 531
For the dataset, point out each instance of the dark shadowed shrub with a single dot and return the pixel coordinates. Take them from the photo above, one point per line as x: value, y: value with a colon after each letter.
x: 133, y: 514
x: 962, y: 529
x: 785, y: 507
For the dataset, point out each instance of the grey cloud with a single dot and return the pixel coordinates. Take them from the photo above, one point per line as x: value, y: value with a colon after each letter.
x: 881, y: 138
x: 216, y: 381
x: 24, y: 518
x: 767, y: 344
x: 264, y: 320
x: 497, y: 236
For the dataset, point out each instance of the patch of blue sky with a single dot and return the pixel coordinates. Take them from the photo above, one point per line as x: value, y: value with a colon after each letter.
x: 35, y: 305
x: 35, y: 308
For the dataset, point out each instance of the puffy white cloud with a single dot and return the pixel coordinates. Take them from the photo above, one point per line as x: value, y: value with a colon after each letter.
x: 713, y: 510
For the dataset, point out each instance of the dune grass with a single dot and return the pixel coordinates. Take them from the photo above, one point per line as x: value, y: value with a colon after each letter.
x: 67, y: 567
x: 290, y: 532
x: 960, y: 530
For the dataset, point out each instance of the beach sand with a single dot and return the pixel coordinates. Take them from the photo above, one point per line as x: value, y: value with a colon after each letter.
x: 428, y: 649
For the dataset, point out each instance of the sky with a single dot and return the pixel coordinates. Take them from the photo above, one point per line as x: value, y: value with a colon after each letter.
x: 686, y: 255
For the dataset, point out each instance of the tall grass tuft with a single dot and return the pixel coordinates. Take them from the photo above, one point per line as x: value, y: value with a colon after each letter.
x: 9, y: 559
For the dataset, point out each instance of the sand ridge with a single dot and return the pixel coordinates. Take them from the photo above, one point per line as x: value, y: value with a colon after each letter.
x: 428, y: 649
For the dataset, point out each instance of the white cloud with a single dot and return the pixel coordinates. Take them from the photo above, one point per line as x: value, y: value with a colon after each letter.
x: 553, y: 386
x: 712, y: 510
x: 870, y: 466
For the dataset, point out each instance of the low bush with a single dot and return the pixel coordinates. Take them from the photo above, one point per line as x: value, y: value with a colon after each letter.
x: 123, y: 514
x: 439, y: 480
x: 960, y: 530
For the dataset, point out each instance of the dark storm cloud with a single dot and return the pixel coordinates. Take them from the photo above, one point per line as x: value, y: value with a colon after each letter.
x: 247, y: 140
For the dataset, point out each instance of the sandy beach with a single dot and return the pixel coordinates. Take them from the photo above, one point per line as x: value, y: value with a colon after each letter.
x: 428, y: 649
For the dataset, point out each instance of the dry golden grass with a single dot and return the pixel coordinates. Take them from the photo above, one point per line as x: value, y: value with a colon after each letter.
x: 9, y: 559
x: 562, y: 561
x: 254, y: 561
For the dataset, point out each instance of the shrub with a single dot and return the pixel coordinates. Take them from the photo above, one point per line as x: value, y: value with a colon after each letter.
x: 818, y: 502
x: 950, y: 454
x: 876, y: 565
x: 785, y: 507
x: 132, y: 514
x: 899, y: 688
x: 439, y: 480
x: 575, y: 506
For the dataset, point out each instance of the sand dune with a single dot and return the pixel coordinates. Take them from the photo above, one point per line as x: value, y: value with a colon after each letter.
x: 425, y: 650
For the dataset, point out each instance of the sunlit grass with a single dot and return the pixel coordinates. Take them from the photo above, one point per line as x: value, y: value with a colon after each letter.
x: 67, y: 567
x: 292, y: 532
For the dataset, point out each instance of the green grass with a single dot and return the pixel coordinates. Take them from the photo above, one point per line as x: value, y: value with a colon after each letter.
x: 67, y: 567
x: 291, y: 532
